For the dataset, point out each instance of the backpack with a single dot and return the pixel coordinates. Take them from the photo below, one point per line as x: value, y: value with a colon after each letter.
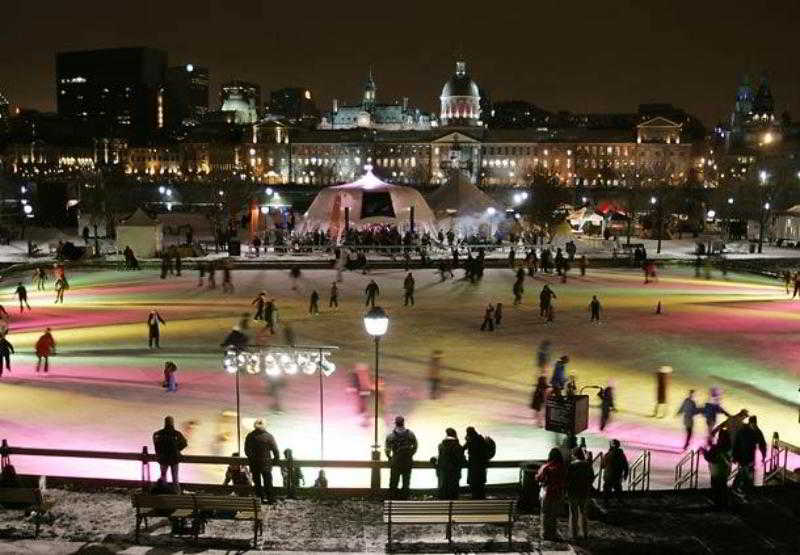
x: 491, y: 448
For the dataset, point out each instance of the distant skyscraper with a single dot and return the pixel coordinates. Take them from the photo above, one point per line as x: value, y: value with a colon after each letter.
x: 243, y: 99
x: 4, y: 110
x: 293, y: 103
x: 186, y: 95
x: 120, y: 89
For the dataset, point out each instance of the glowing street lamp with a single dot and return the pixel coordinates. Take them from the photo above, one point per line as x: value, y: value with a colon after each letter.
x: 376, y: 322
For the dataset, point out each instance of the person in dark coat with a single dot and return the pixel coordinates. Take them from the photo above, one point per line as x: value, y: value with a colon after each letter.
x: 6, y: 348
x: 259, y: 302
x: 449, y: 464
x: 154, y: 321
x: 662, y: 386
x: 313, y: 303
x: 408, y: 287
x: 261, y: 451
x: 539, y: 396
x: 688, y: 409
x: 498, y: 314
x: 178, y: 262
x: 372, y: 291
x: 615, y: 470
x: 334, y: 298
x: 400, y: 446
x: 559, y: 378
x: 476, y: 448
x: 164, y: 265
x: 488, y: 318
x: 237, y: 474
x: 518, y: 290
x: 718, y: 456
x: 606, y: 395
x: 594, y: 309
x: 236, y: 339
x: 712, y: 409
x: 45, y: 347
x: 545, y: 300
x: 169, y: 443
x: 22, y: 293
x: 747, y: 440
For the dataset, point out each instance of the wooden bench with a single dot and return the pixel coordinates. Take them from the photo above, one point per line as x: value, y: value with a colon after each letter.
x: 227, y: 507
x: 199, y: 507
x: 26, y: 499
x: 499, y: 512
x: 168, y: 506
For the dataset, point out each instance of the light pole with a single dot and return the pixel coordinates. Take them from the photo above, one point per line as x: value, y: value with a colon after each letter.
x: 376, y: 322
x: 654, y: 202
x: 730, y: 216
x: 762, y: 176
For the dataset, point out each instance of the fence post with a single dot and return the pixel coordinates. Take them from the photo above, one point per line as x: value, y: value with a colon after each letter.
x: 375, y: 475
x: 145, y: 469
x: 4, y: 458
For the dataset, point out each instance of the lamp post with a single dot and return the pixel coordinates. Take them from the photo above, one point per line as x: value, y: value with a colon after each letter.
x: 376, y: 322
x: 762, y: 176
x: 654, y: 202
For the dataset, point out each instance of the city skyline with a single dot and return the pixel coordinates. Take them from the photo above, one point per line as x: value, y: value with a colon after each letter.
x: 610, y: 59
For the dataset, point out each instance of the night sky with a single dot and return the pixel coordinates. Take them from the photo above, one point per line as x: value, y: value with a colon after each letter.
x: 582, y: 56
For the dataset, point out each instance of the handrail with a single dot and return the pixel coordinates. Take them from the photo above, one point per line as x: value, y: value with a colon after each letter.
x: 597, y: 467
x: 772, y: 464
x: 681, y: 476
x: 639, y: 473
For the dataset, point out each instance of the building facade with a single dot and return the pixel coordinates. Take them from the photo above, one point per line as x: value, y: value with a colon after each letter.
x: 120, y: 90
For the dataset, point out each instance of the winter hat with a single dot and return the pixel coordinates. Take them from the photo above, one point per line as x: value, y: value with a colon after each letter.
x: 259, y: 425
x: 665, y: 370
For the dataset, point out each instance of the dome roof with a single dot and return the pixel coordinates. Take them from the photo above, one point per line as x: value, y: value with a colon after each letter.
x: 460, y: 84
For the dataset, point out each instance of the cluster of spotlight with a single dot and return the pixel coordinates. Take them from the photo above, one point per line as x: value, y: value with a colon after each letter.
x: 274, y: 363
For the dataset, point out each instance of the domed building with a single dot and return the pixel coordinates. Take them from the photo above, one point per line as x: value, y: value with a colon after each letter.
x: 461, y: 99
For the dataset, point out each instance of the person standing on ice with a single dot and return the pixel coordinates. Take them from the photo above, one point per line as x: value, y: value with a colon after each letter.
x: 154, y: 323
x: 488, y: 318
x: 372, y: 291
x: 6, y: 348
x: 688, y: 409
x: 606, y: 395
x: 22, y: 293
x: 333, y: 301
x: 61, y: 286
x: 518, y: 290
x: 662, y: 386
x: 408, y: 287
x: 594, y: 309
x: 260, y: 302
x: 559, y: 378
x: 545, y: 300
x: 313, y: 306
x: 45, y: 346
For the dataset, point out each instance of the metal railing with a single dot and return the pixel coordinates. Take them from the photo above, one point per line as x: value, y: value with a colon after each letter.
x: 687, y: 477
x: 773, y: 468
x: 144, y: 458
x: 597, y: 468
x: 639, y: 473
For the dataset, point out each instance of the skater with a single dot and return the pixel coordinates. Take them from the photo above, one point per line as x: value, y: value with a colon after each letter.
x: 787, y: 279
x: 6, y: 349
x: 170, y: 379
x: 479, y: 453
x: 488, y: 318
x: 543, y: 355
x: 154, y: 322
x: 606, y: 395
x: 688, y: 409
x: 40, y: 277
x: 538, y: 398
x: 294, y: 275
x: 796, y: 285
x: 261, y: 451
x: 61, y: 286
x: 552, y: 477
x: 201, y: 273
x: 313, y: 305
x: 745, y: 443
x: 559, y: 377
x: 260, y: 303
x: 292, y: 474
x: 662, y: 386
x: 401, y: 444
x: 615, y: 470
x: 334, y: 298
x: 227, y: 279
x: 711, y: 409
x: 372, y: 291
x: 582, y: 263
x: 594, y: 309
x: 408, y: 287
x: 434, y: 374
x: 169, y: 443
x: 22, y: 293
x: 449, y: 464
x: 212, y: 276
x: 45, y: 347
x: 164, y: 266
x: 518, y: 290
x: 498, y: 314
x: 178, y: 263
x: 271, y: 316
x: 546, y: 300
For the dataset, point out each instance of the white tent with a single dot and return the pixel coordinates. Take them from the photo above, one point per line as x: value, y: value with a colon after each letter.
x: 786, y: 225
x: 371, y: 201
x: 141, y: 233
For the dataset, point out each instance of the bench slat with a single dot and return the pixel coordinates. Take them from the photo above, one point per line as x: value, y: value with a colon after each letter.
x: 21, y: 495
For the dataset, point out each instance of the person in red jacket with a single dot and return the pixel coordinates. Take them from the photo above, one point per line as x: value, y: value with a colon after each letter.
x: 45, y: 347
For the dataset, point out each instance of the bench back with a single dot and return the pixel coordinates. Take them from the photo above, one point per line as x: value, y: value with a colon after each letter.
x: 467, y: 507
x: 227, y: 503
x: 166, y: 502
x: 31, y: 496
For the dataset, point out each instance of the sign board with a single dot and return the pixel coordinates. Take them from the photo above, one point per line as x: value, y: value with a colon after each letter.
x: 566, y: 415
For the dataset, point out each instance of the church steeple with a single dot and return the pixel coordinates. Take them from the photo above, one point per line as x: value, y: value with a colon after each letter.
x: 369, y: 91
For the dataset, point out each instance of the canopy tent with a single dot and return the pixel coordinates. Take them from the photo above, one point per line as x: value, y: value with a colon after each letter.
x: 141, y: 233
x: 461, y: 198
x: 578, y: 218
x: 371, y: 202
x: 607, y: 206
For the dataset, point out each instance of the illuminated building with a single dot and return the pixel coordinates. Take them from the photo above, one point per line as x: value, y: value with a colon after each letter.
x: 294, y: 104
x: 241, y: 99
x: 186, y: 95
x: 121, y: 90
